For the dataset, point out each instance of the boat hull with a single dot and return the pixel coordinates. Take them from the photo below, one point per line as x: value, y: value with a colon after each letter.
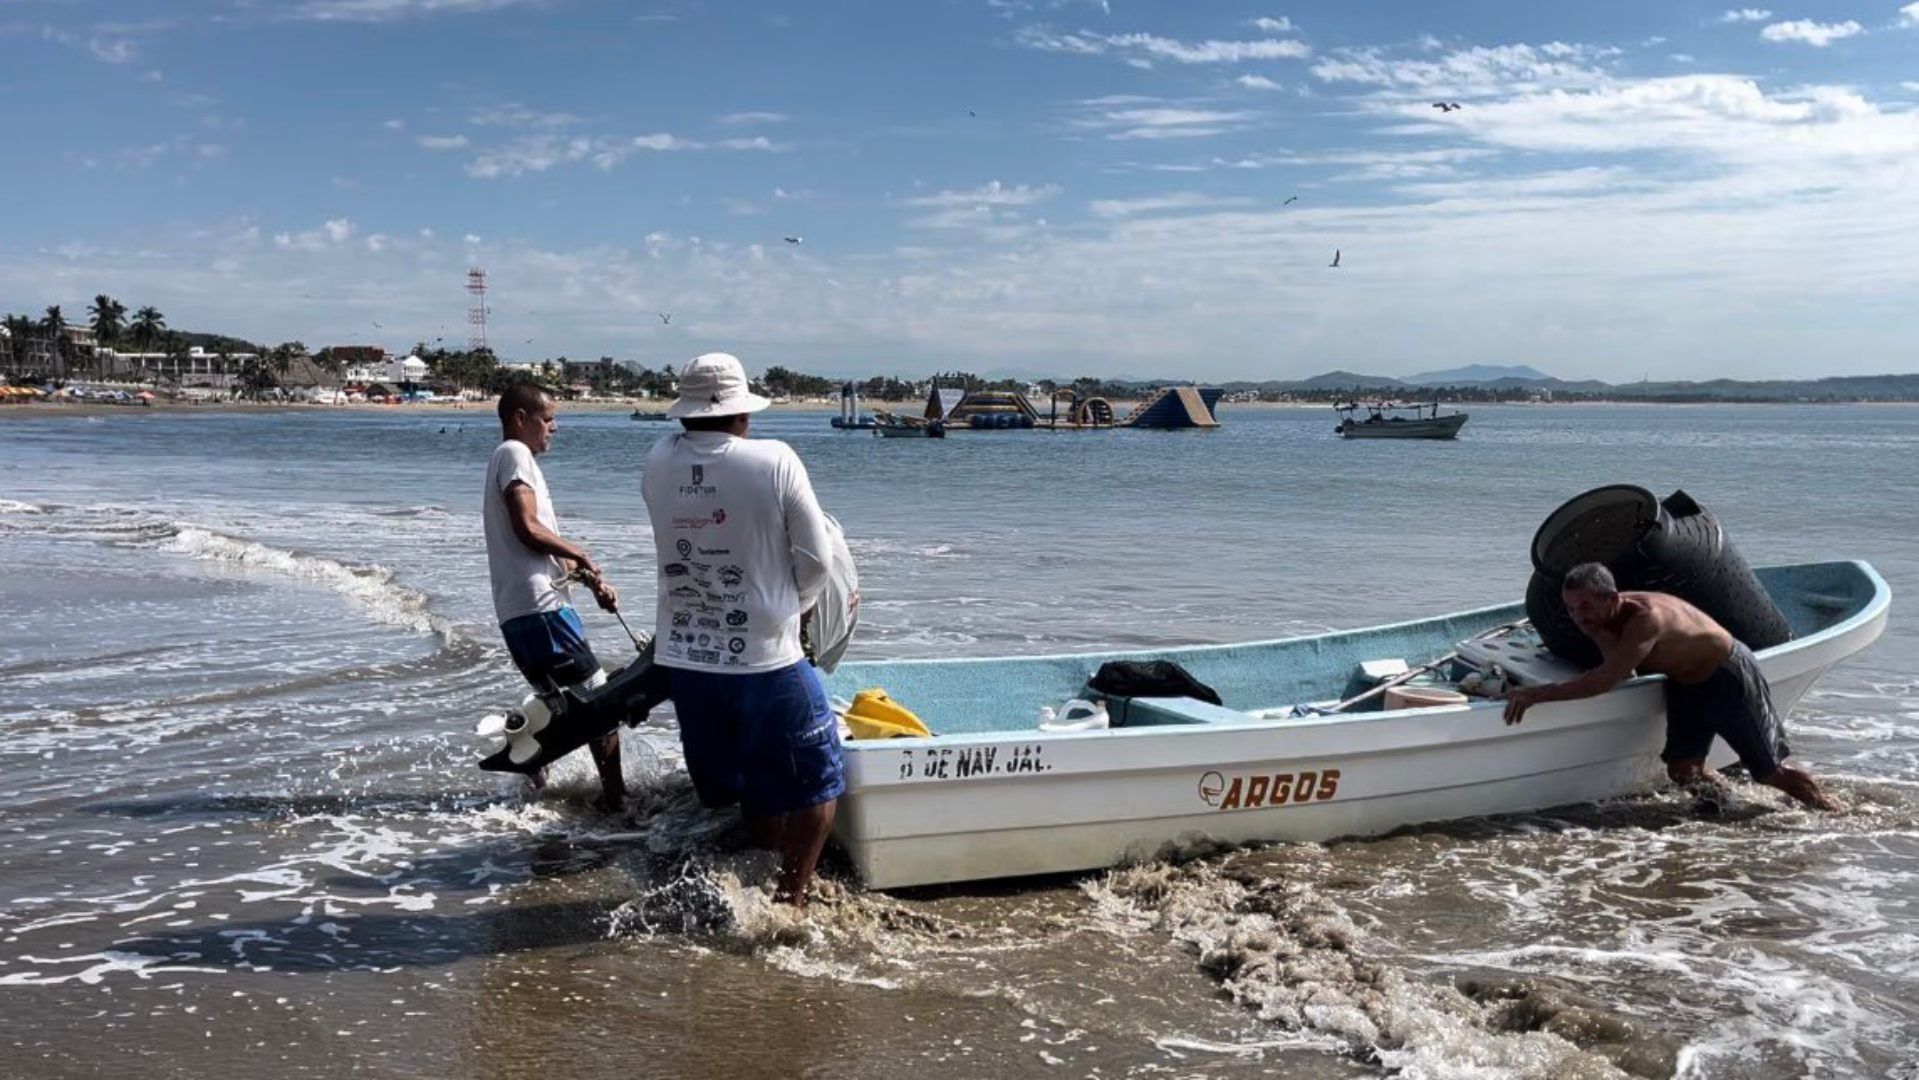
x: 1444, y: 427
x: 1011, y: 803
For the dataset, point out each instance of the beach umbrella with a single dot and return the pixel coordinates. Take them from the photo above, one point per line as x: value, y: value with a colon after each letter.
x: 145, y: 395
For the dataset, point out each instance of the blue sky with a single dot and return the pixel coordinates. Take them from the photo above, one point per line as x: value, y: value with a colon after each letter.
x: 1682, y: 190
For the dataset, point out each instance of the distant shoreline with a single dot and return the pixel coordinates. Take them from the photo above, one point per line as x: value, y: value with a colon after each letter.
x: 48, y: 409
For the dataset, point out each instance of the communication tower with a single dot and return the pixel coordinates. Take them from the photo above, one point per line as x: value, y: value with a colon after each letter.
x: 476, y: 309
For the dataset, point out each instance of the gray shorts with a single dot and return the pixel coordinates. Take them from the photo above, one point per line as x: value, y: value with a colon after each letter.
x: 1733, y: 703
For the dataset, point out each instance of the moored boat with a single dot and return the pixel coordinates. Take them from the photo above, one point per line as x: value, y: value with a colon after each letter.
x: 991, y: 795
x: 1397, y: 420
x: 893, y: 426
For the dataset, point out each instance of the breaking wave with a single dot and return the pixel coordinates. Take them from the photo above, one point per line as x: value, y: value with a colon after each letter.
x: 373, y: 588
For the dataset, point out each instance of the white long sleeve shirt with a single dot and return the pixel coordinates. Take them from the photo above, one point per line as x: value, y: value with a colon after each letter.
x: 742, y: 550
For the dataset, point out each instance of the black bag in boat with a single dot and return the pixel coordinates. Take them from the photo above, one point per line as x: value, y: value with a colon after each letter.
x: 1149, y: 678
x: 1672, y: 546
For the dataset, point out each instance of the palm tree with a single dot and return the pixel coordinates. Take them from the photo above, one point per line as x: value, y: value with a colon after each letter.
x: 148, y: 325
x: 55, y: 327
x: 109, y: 318
x: 280, y: 359
x: 333, y: 367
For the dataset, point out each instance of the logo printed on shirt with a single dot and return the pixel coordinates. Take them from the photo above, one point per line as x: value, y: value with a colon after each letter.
x: 684, y: 547
x: 699, y: 488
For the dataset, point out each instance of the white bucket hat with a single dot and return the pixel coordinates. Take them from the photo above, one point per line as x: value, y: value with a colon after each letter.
x: 714, y: 384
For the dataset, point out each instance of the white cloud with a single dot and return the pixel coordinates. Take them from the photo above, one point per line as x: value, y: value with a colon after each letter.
x: 442, y: 142
x: 537, y: 153
x: 1681, y: 58
x: 1477, y: 70
x: 391, y: 10
x: 1913, y: 86
x: 1281, y: 25
x: 992, y: 193
x: 1738, y: 15
x: 1148, y: 118
x: 515, y: 115
x: 395, y: 124
x: 376, y: 243
x: 734, y: 119
x: 333, y: 232
x: 1818, y: 35
x: 1257, y: 82
x: 112, y: 52
x: 993, y: 210
x: 1909, y: 15
x: 1143, y: 49
x: 181, y: 149
x: 1152, y: 204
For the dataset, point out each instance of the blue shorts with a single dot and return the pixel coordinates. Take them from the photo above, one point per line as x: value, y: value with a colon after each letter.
x: 768, y: 741
x: 550, y: 649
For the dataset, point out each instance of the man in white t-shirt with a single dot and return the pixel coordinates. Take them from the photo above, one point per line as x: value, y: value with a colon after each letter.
x: 527, y: 560
x: 743, y: 554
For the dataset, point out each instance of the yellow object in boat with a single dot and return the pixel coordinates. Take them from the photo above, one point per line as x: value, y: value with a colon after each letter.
x: 873, y: 715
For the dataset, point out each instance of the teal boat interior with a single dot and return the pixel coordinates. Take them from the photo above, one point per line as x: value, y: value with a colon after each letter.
x: 984, y: 696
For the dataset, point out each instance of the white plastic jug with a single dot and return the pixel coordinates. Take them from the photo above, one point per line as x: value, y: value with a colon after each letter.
x: 1078, y: 714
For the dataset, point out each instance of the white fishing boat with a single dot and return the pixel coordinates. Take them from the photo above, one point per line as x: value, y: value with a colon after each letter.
x: 1397, y: 420
x: 990, y: 795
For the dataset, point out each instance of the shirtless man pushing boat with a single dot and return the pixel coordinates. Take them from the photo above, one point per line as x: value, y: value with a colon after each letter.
x: 1713, y: 683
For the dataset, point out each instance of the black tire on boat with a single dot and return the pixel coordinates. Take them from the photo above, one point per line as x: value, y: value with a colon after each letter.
x: 1673, y: 546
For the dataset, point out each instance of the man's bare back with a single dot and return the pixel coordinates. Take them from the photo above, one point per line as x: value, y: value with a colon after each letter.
x: 1714, y: 687
x: 1687, y: 645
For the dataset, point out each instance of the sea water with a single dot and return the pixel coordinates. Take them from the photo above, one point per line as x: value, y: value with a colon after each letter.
x: 242, y: 655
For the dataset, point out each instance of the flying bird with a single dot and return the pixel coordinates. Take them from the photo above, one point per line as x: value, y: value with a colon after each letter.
x: 1446, y: 106
x: 792, y: 239
x: 665, y: 318
x: 377, y: 326
x: 971, y: 113
x: 1335, y: 263
x: 1290, y: 201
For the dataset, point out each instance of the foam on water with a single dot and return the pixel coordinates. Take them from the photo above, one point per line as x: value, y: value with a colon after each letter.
x: 371, y: 588
x: 244, y: 781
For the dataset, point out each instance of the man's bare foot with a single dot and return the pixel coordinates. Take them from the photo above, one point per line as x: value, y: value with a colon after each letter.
x: 1800, y: 785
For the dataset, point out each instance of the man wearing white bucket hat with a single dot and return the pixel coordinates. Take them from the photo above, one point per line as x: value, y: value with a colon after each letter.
x: 743, y: 552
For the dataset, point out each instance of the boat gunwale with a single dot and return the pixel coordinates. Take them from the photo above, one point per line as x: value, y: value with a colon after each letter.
x: 1874, y: 607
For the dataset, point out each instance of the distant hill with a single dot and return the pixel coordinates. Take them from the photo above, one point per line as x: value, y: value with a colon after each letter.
x: 1334, y: 380
x: 1833, y: 388
x: 1476, y: 373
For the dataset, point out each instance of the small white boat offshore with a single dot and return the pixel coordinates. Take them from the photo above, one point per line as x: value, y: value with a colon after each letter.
x: 991, y: 795
x: 1397, y: 420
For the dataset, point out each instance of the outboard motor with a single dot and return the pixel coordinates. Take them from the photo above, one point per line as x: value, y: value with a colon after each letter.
x: 555, y: 722
x: 1672, y: 546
